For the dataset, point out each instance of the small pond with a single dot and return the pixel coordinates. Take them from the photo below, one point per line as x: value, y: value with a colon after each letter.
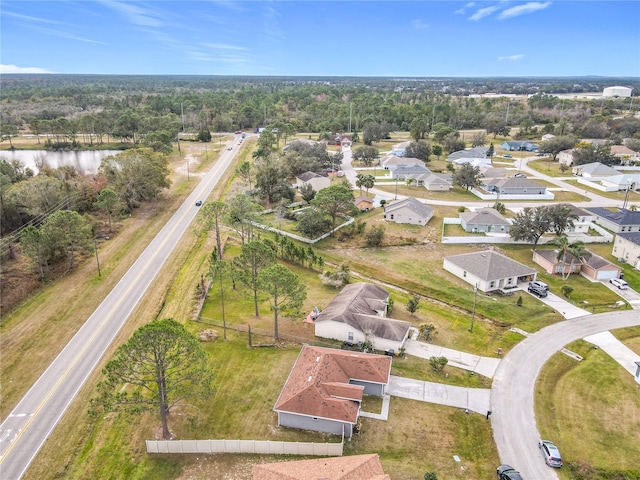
x: 86, y: 161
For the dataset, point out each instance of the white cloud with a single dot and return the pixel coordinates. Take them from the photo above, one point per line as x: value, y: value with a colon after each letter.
x: 511, y: 58
x: 482, y: 12
x: 224, y: 46
x: 135, y: 14
x: 419, y: 24
x: 523, y: 9
x: 462, y: 10
x: 16, y: 69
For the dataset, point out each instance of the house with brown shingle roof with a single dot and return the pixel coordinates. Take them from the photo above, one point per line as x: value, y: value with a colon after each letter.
x: 325, y: 389
x: 489, y: 270
x: 359, y: 314
x: 354, y: 467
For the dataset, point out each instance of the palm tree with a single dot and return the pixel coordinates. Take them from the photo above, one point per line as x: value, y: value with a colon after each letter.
x: 575, y: 250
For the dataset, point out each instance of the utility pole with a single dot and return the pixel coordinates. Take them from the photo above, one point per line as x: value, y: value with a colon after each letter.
x: 95, y: 247
x: 473, y: 315
x: 182, y: 115
x: 626, y: 197
x: 351, y: 104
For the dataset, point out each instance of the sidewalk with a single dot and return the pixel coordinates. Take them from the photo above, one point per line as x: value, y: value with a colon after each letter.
x: 474, y: 399
x: 485, y: 366
x: 616, y: 350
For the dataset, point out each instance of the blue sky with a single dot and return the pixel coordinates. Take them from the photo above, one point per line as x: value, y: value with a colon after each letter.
x: 331, y: 38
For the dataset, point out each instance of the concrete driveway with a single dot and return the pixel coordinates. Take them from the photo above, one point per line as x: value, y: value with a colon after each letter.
x: 616, y: 350
x: 564, y: 308
x: 481, y: 365
x: 474, y: 399
x: 629, y: 295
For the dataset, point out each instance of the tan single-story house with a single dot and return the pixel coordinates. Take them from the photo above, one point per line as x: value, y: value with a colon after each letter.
x: 352, y: 467
x: 359, y: 314
x: 325, y: 388
x: 624, y: 154
x: 409, y: 210
x: 317, y: 181
x: 364, y: 204
x: 626, y: 248
x: 489, y: 270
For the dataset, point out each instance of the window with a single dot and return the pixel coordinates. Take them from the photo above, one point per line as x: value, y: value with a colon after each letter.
x: 509, y: 281
x: 392, y: 216
x: 464, y: 274
x: 492, y: 284
x: 350, y: 336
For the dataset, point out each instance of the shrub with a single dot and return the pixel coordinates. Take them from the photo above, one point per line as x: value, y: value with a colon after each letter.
x: 375, y: 236
x: 438, y: 363
x: 430, y: 476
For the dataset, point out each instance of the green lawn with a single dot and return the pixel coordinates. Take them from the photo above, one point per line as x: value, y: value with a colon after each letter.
x: 591, y: 410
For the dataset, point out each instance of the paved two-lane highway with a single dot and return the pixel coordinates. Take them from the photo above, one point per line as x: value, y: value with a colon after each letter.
x: 25, y: 430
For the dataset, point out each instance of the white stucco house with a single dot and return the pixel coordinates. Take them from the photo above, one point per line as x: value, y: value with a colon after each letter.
x: 409, y: 210
x: 489, y: 270
x: 359, y: 314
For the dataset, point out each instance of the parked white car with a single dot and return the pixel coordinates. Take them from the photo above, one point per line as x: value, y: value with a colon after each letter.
x: 621, y: 284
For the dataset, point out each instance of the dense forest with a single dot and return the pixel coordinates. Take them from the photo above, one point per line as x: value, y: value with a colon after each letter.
x: 129, y: 107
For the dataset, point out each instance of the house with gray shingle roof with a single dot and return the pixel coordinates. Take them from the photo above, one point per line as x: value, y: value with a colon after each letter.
x: 359, y: 314
x: 618, y: 220
x: 489, y: 270
x: 594, y: 169
x: 519, y: 146
x: 484, y: 220
x: 438, y: 182
x: 409, y: 210
x: 475, y: 152
x: 514, y: 186
x: 317, y: 181
x: 326, y: 386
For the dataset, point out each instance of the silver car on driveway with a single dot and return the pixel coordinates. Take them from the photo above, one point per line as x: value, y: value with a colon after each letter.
x: 550, y: 453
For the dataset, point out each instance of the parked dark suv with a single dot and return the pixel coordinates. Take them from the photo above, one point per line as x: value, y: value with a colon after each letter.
x: 507, y: 472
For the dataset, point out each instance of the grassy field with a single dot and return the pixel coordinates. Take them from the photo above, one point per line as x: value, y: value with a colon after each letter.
x: 591, y: 410
x: 417, y: 437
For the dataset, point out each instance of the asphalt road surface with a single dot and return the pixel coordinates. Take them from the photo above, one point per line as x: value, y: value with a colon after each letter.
x: 512, y: 392
x: 25, y: 430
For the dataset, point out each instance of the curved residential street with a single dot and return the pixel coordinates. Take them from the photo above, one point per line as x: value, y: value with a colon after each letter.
x: 512, y: 393
x: 27, y: 427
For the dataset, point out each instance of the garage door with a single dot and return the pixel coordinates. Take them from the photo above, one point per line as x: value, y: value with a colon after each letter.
x: 607, y: 274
